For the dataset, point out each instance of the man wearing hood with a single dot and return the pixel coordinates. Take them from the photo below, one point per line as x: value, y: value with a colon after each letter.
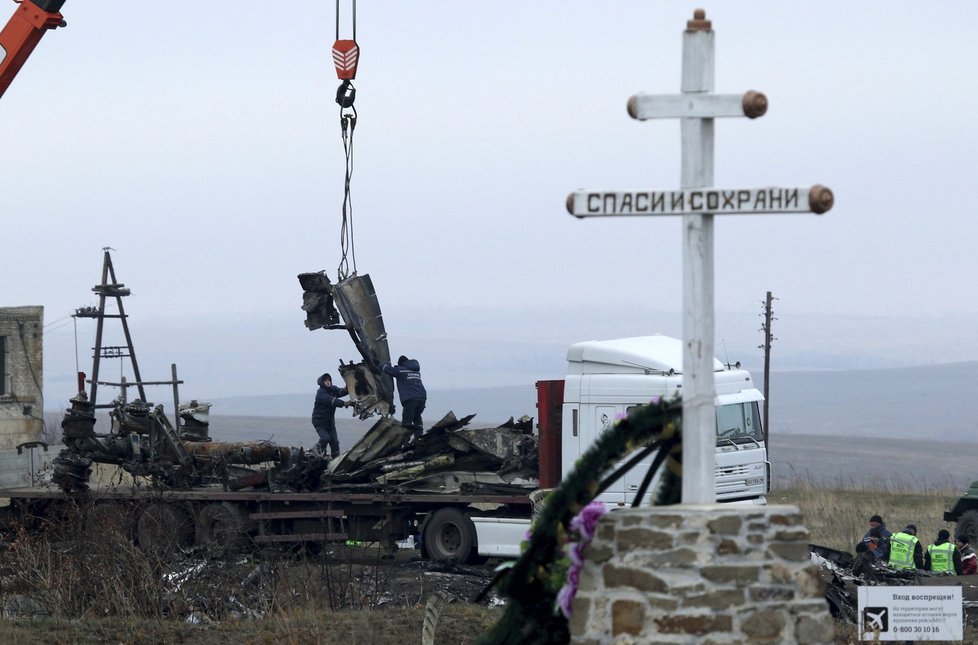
x: 324, y: 414
x: 411, y: 391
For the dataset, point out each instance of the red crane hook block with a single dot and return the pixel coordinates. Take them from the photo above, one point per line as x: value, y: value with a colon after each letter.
x: 346, y: 55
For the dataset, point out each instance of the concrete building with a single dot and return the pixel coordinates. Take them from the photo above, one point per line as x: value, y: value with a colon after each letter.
x: 21, y: 375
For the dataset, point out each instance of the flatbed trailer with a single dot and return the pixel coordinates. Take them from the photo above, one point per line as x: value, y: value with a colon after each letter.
x: 222, y: 521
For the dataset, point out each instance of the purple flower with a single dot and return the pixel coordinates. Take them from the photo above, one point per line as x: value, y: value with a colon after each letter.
x: 587, y: 520
x: 565, y: 600
x: 574, y: 576
x: 565, y: 597
x: 575, y: 553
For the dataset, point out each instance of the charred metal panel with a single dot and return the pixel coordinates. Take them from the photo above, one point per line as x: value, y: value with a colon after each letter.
x: 196, y: 421
x: 365, y: 390
x: 515, y: 451
x: 353, y: 300
x: 384, y: 438
x: 317, y: 301
x: 357, y: 303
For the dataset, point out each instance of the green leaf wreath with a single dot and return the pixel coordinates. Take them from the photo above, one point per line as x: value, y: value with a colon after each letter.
x: 533, y: 582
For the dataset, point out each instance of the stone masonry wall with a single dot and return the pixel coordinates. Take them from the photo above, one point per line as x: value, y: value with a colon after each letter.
x: 700, y: 574
x: 23, y: 330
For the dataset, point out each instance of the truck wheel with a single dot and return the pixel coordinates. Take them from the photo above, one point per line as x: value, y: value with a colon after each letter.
x: 222, y: 528
x: 163, y: 529
x: 449, y: 535
x: 109, y: 516
x: 968, y: 524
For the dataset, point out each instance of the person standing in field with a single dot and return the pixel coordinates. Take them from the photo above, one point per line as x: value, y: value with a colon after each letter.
x: 411, y: 391
x: 883, y: 544
x: 324, y: 414
x: 969, y: 561
x: 905, y: 549
x: 942, y: 556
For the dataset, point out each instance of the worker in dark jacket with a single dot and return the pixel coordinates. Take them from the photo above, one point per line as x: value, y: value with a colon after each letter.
x: 411, y: 391
x: 905, y: 549
x: 942, y: 556
x: 862, y: 565
x: 874, y: 544
x: 969, y: 561
x: 876, y: 523
x: 324, y: 414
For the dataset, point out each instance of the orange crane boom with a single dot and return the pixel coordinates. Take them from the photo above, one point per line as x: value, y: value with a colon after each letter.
x: 22, y: 33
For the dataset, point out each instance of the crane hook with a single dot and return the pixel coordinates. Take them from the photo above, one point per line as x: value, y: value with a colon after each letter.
x: 346, y: 94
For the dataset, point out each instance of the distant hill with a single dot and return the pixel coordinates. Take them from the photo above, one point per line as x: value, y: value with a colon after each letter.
x: 905, y: 427
x: 936, y: 402
x: 490, y: 405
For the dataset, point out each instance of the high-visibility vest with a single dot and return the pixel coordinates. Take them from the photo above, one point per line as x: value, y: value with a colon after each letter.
x: 941, y: 557
x: 902, y: 547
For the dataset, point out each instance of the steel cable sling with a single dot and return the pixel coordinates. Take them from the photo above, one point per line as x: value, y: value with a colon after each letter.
x: 346, y: 55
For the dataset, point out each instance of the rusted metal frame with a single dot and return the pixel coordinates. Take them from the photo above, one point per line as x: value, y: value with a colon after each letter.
x: 263, y: 497
x: 99, y: 326
x: 125, y: 330
x: 289, y: 515
x: 301, y: 537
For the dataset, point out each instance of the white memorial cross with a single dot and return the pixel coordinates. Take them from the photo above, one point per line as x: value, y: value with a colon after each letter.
x: 698, y: 202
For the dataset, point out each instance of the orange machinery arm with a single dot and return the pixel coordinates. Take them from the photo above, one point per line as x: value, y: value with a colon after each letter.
x: 22, y: 33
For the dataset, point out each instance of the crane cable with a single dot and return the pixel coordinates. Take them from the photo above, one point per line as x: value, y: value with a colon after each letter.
x: 346, y: 54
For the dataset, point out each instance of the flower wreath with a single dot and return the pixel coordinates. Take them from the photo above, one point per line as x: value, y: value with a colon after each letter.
x: 541, y: 584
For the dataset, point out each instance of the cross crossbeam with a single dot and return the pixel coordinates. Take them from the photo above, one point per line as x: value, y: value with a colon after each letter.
x: 697, y: 202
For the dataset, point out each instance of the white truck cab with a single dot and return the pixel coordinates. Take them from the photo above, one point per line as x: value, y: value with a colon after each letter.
x: 605, y: 379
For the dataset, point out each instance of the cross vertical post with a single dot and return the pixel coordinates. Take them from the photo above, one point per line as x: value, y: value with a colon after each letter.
x: 699, y: 415
x: 698, y: 201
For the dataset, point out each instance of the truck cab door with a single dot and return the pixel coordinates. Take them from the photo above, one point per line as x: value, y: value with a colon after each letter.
x: 601, y: 418
x: 633, y: 479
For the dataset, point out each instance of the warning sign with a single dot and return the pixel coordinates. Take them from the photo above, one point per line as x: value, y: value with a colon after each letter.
x: 911, y: 614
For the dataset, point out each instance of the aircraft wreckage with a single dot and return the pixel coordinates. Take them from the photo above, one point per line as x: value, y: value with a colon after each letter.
x: 180, y: 454
x: 843, y: 575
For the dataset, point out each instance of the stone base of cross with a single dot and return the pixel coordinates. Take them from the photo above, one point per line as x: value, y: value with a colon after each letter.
x: 697, y: 108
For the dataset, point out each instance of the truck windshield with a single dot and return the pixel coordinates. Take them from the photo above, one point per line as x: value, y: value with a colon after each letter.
x: 739, y: 422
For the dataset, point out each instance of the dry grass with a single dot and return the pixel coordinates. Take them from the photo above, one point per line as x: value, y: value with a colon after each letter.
x: 75, y: 580
x: 459, y: 624
x: 838, y: 517
x: 106, y: 592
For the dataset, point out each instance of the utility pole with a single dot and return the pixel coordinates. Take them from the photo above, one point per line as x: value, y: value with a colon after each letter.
x: 768, y: 339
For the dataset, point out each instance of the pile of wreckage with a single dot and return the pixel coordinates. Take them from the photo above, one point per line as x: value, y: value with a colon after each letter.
x: 179, y: 453
x: 843, y: 576
x: 449, y: 458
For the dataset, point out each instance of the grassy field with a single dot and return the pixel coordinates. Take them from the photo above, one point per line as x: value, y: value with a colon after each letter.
x: 838, y: 517
x: 94, y: 609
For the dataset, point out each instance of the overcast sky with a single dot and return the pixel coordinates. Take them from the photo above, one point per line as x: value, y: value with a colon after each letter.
x: 201, y: 142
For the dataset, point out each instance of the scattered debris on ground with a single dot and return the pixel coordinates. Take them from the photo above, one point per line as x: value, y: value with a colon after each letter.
x: 842, y: 583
